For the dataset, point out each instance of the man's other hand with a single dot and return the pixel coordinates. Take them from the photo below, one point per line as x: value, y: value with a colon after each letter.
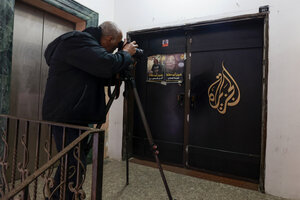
x: 131, y: 48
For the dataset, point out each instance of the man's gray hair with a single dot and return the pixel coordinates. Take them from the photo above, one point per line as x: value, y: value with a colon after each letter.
x: 110, y: 28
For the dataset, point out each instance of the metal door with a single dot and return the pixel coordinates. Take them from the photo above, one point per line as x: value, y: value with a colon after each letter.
x: 163, y: 110
x: 226, y: 98
x: 33, y: 30
x: 26, y: 59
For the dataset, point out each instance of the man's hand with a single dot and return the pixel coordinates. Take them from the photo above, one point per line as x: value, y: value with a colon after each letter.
x: 130, y: 47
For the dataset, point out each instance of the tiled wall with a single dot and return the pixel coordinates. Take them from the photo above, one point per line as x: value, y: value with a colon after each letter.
x: 6, y: 30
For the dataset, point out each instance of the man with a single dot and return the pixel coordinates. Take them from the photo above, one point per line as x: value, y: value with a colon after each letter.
x: 79, y: 65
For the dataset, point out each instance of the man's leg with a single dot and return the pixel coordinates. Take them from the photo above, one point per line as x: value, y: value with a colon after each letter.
x: 71, y: 135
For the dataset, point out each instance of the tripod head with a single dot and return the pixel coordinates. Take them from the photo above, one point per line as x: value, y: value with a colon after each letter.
x: 124, y: 75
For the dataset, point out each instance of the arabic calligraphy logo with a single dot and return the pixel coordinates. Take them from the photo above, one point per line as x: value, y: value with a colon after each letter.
x: 223, y: 92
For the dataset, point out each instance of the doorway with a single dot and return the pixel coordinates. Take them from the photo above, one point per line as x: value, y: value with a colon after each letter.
x: 212, y: 120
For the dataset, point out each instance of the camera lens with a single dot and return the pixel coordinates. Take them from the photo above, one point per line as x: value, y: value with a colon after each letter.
x: 139, y: 53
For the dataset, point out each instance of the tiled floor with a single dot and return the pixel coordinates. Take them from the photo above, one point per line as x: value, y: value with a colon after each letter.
x: 145, y: 183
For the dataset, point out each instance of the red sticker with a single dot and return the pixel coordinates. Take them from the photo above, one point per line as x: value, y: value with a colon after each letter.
x: 165, y: 43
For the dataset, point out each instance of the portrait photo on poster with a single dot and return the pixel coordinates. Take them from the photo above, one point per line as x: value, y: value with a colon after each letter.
x: 166, y: 67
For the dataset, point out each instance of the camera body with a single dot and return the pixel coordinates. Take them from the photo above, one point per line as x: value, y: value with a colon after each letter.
x: 138, y: 54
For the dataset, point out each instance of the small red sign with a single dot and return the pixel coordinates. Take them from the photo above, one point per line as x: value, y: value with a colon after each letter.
x: 165, y: 43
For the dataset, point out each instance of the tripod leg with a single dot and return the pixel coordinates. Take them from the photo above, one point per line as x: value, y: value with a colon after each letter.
x: 127, y: 165
x: 149, y: 135
x: 112, y: 98
x: 126, y: 133
x: 108, y: 105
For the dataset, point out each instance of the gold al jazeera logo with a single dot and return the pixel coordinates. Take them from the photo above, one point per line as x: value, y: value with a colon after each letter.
x: 223, y: 92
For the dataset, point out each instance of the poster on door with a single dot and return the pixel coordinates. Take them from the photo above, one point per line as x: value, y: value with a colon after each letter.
x: 166, y: 67
x: 155, y: 70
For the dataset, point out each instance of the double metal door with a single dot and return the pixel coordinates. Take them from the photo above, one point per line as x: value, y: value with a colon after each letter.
x: 219, y: 129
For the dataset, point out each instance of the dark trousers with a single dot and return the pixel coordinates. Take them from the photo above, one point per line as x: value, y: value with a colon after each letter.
x: 71, y: 179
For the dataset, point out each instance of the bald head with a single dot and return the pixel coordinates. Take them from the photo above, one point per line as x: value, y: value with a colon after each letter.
x: 110, y: 28
x: 111, y: 35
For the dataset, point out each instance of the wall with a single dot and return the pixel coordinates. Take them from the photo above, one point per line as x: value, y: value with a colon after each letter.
x: 6, y: 24
x: 6, y: 37
x: 283, y: 125
x: 105, y: 8
x: 6, y: 29
x: 282, y: 157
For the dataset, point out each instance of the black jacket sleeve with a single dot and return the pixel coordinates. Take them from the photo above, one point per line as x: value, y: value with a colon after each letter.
x: 87, y: 55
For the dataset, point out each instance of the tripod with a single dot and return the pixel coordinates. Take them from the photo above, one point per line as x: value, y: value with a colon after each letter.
x: 130, y: 83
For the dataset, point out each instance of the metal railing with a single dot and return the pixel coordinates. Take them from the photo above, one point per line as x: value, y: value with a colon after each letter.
x: 28, y: 160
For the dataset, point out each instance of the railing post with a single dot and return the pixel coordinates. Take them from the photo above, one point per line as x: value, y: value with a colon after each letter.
x: 97, y: 168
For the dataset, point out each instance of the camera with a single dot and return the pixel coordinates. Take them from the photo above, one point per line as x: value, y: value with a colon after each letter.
x: 138, y: 54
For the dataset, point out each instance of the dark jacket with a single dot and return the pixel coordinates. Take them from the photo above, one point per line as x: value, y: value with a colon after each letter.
x: 78, y: 69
